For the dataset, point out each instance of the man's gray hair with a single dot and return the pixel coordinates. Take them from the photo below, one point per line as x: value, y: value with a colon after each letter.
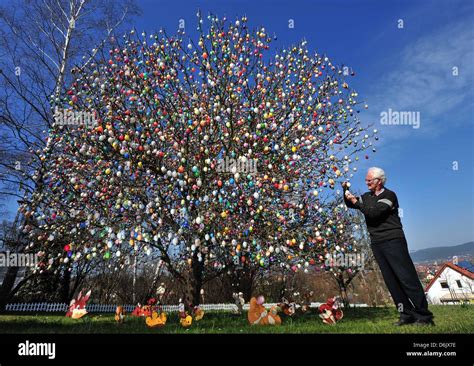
x: 378, y: 173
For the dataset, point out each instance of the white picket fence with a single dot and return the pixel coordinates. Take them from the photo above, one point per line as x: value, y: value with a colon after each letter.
x: 110, y: 308
x: 46, y: 307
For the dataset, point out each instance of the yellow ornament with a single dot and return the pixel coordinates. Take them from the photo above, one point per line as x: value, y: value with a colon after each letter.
x: 187, y: 321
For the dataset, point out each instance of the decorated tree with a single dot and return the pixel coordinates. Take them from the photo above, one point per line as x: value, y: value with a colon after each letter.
x: 211, y: 153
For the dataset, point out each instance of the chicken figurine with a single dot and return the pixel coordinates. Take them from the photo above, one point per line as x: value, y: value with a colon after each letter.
x: 156, y: 320
x: 186, y: 321
x: 198, y: 313
x: 184, y: 318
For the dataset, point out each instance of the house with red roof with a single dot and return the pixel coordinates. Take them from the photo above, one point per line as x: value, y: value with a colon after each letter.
x: 452, y: 284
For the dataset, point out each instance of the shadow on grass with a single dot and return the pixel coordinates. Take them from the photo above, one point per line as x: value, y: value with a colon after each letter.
x: 369, y: 312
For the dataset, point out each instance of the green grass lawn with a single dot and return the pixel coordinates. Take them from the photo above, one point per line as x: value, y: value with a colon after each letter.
x: 449, y: 319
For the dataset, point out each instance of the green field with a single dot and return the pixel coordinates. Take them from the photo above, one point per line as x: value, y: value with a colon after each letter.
x: 449, y: 319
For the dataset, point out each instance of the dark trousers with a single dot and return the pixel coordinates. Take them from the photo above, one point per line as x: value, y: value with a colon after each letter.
x: 402, y: 281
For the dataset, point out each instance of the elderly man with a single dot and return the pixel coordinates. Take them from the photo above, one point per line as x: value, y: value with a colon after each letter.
x: 380, y: 208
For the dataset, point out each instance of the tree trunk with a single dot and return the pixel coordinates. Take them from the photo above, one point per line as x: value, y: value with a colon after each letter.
x: 79, y: 279
x: 198, y: 269
x: 249, y: 284
x: 194, y: 281
x: 134, y: 279
x: 345, y: 298
x: 343, y: 290
x: 243, y: 280
x: 65, y: 286
x: 152, y: 290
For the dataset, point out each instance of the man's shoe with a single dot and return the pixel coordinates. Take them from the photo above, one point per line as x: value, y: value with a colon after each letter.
x: 402, y: 322
x: 425, y: 322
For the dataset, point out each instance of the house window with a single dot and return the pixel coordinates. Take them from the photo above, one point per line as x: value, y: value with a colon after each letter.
x: 459, y: 283
x: 444, y: 284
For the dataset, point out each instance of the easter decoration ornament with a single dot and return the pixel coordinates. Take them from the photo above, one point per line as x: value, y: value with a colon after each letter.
x: 288, y: 308
x: 139, y: 311
x: 184, y: 318
x: 186, y: 321
x: 77, y: 307
x: 154, y: 316
x: 198, y: 313
x: 330, y: 313
x: 119, y: 314
x: 306, y: 303
x: 259, y: 315
x: 161, y: 292
x: 239, y: 302
x: 157, y: 319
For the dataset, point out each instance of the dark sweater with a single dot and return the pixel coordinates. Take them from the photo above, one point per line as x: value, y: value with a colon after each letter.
x: 381, y: 215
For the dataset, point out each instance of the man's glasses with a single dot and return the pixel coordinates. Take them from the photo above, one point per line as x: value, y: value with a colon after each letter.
x: 370, y: 180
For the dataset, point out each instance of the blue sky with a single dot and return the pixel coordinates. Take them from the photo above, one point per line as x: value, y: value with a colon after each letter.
x: 408, y: 69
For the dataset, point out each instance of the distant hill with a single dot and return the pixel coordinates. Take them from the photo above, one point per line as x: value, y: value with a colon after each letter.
x: 442, y: 253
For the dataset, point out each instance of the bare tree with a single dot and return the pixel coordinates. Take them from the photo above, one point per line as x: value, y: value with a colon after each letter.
x: 40, y: 42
